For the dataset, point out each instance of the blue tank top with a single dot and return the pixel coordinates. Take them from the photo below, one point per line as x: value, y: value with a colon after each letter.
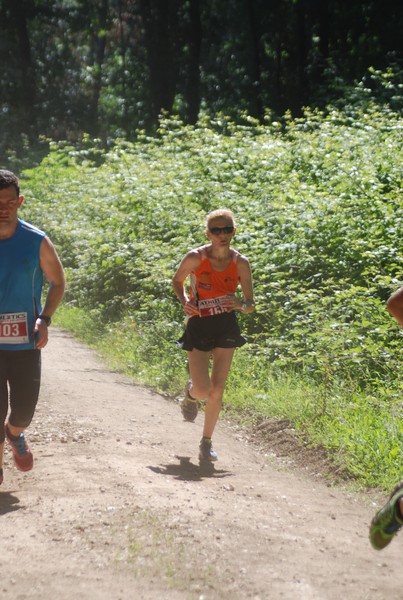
x: 21, y: 282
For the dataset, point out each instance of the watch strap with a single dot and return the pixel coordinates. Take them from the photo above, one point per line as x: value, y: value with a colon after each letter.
x: 45, y: 318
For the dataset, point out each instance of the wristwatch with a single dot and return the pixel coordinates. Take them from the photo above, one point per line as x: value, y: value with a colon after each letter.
x: 246, y: 304
x: 45, y: 318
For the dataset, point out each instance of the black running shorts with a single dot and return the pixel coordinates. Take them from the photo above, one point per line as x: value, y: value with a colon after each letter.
x: 20, y: 378
x: 206, y: 333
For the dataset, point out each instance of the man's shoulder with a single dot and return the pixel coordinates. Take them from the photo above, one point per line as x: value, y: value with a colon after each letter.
x: 30, y: 229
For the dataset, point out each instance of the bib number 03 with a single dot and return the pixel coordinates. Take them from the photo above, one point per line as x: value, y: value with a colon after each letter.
x: 14, y: 328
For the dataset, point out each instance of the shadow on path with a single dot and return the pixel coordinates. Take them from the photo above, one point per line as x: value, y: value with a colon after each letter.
x: 188, y: 471
x: 8, y: 503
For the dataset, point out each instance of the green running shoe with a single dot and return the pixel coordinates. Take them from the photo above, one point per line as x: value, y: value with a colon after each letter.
x: 387, y: 521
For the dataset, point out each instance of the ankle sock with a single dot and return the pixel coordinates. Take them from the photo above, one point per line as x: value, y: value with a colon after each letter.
x: 13, y: 437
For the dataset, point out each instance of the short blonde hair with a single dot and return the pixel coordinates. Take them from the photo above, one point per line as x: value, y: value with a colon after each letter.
x: 224, y: 213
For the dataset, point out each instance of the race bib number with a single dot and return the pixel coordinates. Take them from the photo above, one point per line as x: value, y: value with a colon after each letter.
x: 212, y: 306
x: 14, y: 328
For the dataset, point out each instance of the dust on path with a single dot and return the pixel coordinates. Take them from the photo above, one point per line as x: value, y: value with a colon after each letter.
x: 110, y: 511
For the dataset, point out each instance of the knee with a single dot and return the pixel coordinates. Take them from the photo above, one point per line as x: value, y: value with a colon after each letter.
x: 216, y: 393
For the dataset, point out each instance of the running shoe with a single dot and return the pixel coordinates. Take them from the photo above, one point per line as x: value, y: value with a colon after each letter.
x: 206, y: 452
x: 23, y: 459
x: 189, y: 405
x: 387, y: 521
x: 1, y: 476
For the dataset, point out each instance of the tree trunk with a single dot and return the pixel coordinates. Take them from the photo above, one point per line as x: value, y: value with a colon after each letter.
x: 98, y: 46
x: 192, y: 90
x: 323, y: 14
x: 160, y: 27
x: 301, y: 87
x: 27, y: 92
x: 256, y: 108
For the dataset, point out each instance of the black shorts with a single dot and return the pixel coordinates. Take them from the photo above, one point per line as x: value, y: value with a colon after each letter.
x: 20, y: 379
x: 206, y: 333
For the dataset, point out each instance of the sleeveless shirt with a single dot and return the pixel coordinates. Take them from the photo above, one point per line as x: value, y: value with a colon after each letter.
x: 21, y: 282
x: 209, y: 286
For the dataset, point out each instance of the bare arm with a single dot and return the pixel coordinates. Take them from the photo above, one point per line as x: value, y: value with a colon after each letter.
x: 395, y: 306
x: 187, y: 265
x: 247, y: 303
x: 245, y: 279
x: 53, y: 271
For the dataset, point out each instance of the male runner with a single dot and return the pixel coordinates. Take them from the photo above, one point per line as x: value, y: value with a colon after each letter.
x: 26, y: 257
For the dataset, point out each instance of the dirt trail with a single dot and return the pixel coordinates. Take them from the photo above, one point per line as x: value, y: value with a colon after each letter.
x: 111, y: 512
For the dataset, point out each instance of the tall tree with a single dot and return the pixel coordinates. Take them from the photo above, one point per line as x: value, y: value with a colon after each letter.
x: 99, y: 30
x: 16, y: 15
x: 160, y: 19
x: 256, y: 105
x: 193, y: 41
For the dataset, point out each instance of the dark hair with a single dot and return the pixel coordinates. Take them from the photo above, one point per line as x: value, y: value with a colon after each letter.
x: 8, y: 179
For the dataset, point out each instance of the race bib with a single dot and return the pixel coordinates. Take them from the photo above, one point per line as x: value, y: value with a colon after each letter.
x: 212, y: 306
x: 14, y: 328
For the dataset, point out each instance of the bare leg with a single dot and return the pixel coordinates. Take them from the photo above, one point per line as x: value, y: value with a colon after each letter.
x: 199, y: 363
x: 222, y: 359
x: 1, y: 452
x: 1, y: 461
x: 210, y: 388
x: 15, y: 431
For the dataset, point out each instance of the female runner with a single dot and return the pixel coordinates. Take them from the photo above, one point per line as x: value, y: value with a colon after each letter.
x: 212, y: 330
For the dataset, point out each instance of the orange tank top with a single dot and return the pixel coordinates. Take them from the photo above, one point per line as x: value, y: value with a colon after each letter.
x: 210, y: 286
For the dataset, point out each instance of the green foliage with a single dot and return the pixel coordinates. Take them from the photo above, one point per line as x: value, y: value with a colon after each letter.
x: 319, y: 215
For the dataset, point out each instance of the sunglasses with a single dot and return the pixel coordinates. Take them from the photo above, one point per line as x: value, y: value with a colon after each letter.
x: 218, y: 230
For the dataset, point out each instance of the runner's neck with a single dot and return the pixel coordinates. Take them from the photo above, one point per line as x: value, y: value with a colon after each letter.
x: 219, y: 254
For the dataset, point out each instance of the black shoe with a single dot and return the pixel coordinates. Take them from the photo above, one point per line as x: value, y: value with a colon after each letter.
x: 206, y: 451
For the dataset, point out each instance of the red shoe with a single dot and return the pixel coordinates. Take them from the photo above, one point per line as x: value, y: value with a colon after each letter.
x: 24, y: 461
